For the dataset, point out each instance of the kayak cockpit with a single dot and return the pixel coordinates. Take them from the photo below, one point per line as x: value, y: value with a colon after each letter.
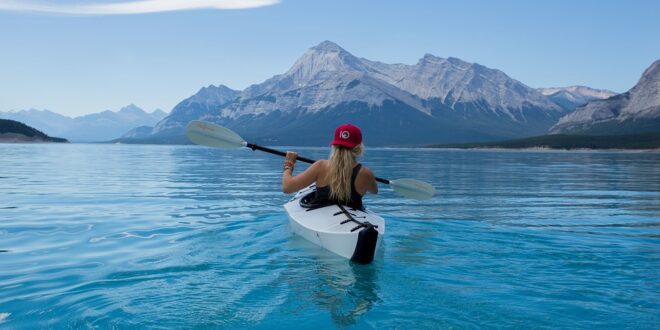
x: 346, y: 231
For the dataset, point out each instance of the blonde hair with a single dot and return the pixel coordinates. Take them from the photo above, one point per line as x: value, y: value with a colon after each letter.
x: 341, y: 168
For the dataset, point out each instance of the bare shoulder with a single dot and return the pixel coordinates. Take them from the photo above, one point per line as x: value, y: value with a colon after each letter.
x: 319, y: 167
x: 366, y: 172
x: 320, y: 164
x: 366, y: 181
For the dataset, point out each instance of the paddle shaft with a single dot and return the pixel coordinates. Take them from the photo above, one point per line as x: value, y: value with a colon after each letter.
x: 302, y: 159
x: 212, y: 135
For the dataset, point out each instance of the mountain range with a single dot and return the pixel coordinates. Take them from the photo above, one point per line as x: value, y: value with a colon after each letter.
x: 436, y: 100
x: 103, y: 126
x: 635, y: 111
x: 574, y: 96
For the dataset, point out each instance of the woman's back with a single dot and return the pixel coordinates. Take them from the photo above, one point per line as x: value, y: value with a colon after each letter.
x: 324, y: 192
x: 362, y: 179
x: 341, y: 177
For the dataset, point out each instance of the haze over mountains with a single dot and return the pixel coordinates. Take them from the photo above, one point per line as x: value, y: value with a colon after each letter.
x: 434, y: 100
x: 103, y: 126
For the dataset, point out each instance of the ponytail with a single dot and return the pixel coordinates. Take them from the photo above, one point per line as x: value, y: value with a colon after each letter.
x: 341, y: 168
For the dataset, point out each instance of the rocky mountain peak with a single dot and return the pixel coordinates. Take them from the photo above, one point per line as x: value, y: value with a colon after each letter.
x: 213, y: 94
x: 650, y: 78
x: 653, y: 69
x: 328, y: 47
x: 578, y: 91
x: 645, y: 96
x: 321, y: 60
x: 132, y: 108
x: 430, y: 58
x: 635, y: 111
x: 159, y: 112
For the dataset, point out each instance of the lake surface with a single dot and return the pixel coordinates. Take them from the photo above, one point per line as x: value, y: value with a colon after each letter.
x: 132, y: 236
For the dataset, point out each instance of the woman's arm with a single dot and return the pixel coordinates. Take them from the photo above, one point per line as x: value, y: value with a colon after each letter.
x: 367, y: 180
x: 291, y: 183
x: 373, y: 185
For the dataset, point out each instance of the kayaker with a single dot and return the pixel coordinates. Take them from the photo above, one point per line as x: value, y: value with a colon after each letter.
x: 340, y: 179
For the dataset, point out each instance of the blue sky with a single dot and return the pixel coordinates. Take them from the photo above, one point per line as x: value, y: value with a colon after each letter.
x: 78, y: 57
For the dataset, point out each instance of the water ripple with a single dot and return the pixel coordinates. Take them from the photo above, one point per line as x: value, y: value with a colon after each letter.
x: 114, y: 236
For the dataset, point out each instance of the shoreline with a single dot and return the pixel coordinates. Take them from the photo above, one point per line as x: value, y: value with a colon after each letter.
x: 393, y: 148
x: 546, y: 149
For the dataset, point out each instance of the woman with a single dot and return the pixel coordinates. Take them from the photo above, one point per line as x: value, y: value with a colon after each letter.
x: 340, y: 179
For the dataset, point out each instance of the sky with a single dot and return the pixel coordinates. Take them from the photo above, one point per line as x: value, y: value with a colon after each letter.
x: 81, y: 57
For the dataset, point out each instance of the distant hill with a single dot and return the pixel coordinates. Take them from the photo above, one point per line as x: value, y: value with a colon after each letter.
x: 138, y: 132
x: 103, y: 126
x: 571, y: 97
x: 635, y: 111
x: 568, y: 142
x: 436, y: 99
x: 16, y: 132
x: 205, y: 101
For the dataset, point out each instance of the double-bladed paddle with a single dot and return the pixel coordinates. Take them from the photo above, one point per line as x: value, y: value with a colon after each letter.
x: 212, y: 135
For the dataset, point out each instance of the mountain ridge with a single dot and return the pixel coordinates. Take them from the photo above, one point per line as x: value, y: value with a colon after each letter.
x: 94, y: 127
x: 574, y: 96
x: 635, y: 111
x: 447, y: 99
x: 194, y: 107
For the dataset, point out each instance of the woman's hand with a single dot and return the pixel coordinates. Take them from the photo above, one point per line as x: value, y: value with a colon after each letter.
x: 290, y: 160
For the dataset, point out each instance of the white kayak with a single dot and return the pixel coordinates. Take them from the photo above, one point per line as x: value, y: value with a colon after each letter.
x: 350, y: 233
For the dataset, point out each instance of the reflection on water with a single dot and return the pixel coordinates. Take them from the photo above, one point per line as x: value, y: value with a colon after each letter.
x: 346, y: 289
x: 116, y: 236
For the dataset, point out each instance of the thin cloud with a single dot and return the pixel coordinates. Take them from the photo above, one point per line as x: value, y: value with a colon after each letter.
x: 129, y: 7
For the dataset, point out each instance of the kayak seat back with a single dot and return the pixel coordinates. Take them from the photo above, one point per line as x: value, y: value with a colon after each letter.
x: 309, y: 202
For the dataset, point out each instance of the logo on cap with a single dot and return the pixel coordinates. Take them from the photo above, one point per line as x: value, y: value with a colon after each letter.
x: 346, y: 135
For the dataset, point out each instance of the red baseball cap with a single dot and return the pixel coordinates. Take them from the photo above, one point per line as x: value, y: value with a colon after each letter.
x: 348, y: 136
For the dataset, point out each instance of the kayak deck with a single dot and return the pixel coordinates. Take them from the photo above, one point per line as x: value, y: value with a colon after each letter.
x: 333, y: 227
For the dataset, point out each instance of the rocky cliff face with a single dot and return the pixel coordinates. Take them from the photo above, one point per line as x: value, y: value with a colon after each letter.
x: 453, y: 81
x: 635, y: 111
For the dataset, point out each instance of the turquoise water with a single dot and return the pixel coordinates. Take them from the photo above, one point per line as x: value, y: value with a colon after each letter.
x: 180, y: 236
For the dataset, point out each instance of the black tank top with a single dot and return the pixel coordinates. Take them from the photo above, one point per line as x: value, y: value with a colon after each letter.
x: 323, y: 193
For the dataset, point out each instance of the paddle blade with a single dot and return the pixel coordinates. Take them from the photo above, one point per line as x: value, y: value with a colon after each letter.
x: 412, y: 188
x: 212, y: 135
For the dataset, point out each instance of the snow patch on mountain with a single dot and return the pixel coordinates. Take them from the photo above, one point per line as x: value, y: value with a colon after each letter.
x: 583, y: 91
